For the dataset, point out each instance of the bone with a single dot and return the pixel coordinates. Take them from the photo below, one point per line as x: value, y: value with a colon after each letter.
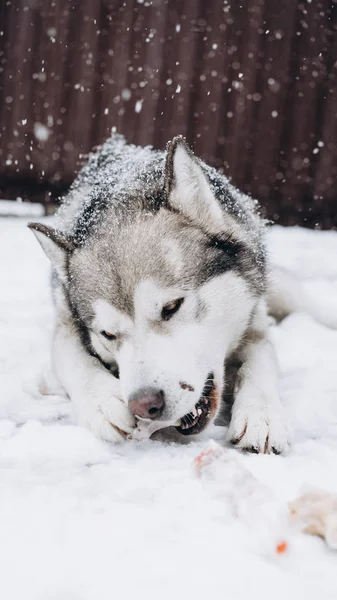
x: 315, y: 511
x: 145, y: 429
x: 225, y: 471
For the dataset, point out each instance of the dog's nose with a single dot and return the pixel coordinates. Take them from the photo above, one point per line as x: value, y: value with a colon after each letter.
x: 147, y: 403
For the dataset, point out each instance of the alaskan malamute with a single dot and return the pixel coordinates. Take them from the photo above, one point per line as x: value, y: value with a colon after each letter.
x: 160, y: 282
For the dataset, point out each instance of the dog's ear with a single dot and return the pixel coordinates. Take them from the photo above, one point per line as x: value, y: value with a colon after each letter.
x: 56, y: 245
x: 188, y: 190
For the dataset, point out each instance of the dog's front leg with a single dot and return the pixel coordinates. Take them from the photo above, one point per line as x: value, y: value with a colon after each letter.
x: 257, y: 421
x: 93, y: 391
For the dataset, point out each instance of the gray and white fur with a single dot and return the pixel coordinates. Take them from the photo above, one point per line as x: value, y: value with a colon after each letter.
x: 160, y: 287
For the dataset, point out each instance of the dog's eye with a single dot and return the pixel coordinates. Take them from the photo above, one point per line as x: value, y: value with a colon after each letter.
x: 170, y: 308
x: 108, y: 336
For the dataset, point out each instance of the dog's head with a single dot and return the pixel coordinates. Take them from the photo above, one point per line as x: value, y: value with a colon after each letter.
x: 163, y: 295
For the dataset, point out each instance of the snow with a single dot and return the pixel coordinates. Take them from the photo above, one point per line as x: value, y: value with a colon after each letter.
x: 41, y: 132
x: 83, y: 520
x: 138, y: 106
x: 10, y: 208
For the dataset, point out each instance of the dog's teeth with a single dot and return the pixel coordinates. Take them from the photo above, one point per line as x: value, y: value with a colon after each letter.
x: 194, y: 412
x: 199, y: 411
x: 178, y: 423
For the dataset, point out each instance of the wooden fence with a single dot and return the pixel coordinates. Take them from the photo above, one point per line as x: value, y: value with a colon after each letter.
x: 250, y: 83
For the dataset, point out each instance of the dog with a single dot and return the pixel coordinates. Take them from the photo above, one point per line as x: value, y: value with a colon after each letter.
x: 161, y: 285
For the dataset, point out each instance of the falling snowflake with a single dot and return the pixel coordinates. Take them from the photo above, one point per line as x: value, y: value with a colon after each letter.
x: 41, y: 132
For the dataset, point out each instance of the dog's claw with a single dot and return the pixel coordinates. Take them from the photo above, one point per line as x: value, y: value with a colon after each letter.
x: 237, y: 440
x: 258, y: 431
x: 252, y: 450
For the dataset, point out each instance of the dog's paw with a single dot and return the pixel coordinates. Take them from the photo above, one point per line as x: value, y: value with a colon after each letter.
x: 99, y: 407
x: 258, y: 429
x: 109, y: 420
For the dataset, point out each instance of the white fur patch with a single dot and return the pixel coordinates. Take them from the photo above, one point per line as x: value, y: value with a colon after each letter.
x: 95, y: 393
x: 109, y: 319
x: 150, y: 298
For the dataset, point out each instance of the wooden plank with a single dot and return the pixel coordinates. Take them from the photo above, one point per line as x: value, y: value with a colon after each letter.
x: 114, y: 93
x: 306, y: 76
x: 210, y: 83
x: 153, y: 63
x: 79, y: 90
x: 136, y: 78
x: 279, y: 29
x: 183, y: 46
x: 243, y: 83
x: 165, y: 108
x: 325, y: 172
x: 17, y: 122
x: 49, y: 78
x: 7, y: 16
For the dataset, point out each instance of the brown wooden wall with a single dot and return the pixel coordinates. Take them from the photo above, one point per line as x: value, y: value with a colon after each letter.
x: 250, y: 83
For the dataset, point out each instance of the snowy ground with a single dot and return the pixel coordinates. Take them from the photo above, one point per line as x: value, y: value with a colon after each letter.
x: 82, y: 520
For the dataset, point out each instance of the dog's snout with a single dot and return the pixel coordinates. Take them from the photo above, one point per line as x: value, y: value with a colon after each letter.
x: 147, y: 403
